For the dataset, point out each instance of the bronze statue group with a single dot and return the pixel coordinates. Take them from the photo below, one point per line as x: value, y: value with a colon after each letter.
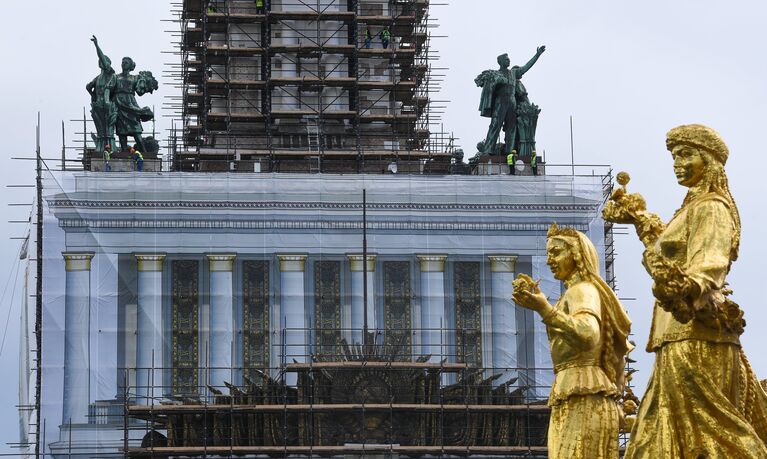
x: 505, y: 101
x: 114, y: 108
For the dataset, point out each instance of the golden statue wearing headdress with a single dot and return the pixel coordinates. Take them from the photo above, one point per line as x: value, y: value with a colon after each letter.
x: 703, y: 400
x: 588, y: 331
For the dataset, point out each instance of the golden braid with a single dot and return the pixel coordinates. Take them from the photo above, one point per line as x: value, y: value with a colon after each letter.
x: 748, y: 391
x: 605, y: 357
x: 721, y: 187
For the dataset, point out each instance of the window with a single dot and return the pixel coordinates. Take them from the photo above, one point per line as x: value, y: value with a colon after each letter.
x: 397, y: 308
x: 327, y: 308
x: 467, y: 286
x: 184, y: 325
x: 255, y: 320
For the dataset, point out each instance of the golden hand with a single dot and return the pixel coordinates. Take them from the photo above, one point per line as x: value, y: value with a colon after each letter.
x: 528, y: 295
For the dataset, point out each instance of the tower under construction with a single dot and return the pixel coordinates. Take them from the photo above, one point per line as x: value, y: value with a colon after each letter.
x: 307, y: 86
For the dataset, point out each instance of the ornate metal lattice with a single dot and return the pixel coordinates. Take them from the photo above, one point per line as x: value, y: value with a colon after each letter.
x: 255, y: 316
x: 185, y: 320
x: 327, y: 307
x: 468, y: 312
x: 397, y: 315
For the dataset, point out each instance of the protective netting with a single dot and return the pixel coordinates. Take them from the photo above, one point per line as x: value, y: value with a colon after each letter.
x: 253, y: 272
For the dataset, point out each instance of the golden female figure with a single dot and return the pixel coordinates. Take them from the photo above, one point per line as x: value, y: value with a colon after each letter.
x: 588, y: 331
x: 702, y: 400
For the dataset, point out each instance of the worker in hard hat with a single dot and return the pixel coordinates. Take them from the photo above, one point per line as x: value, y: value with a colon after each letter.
x: 107, y: 155
x: 368, y: 37
x: 385, y: 37
x: 259, y: 6
x: 510, y: 161
x: 138, y: 158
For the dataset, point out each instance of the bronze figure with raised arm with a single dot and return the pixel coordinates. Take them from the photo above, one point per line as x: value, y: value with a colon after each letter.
x: 499, y: 100
x: 103, y: 109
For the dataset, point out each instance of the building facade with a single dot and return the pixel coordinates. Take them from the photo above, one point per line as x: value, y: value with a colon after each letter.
x: 310, y: 268
x: 157, y: 286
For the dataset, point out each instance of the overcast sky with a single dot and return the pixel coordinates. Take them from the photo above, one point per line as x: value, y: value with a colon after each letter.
x: 626, y: 72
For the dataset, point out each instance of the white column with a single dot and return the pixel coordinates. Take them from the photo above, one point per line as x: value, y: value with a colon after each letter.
x: 357, y: 312
x: 542, y: 366
x: 149, y: 342
x: 433, y: 322
x: 77, y: 300
x: 503, y: 316
x: 296, y: 345
x: 221, y: 318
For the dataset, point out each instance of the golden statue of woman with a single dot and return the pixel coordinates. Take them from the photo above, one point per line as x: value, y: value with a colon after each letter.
x: 702, y: 400
x: 588, y: 331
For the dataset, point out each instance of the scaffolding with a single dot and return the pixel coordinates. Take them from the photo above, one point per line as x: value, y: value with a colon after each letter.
x: 306, y: 86
x: 371, y: 398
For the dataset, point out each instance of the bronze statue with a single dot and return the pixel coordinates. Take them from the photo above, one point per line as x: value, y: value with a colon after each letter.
x: 703, y: 399
x: 588, y: 335
x: 527, y: 121
x: 129, y: 114
x: 113, y: 103
x: 103, y: 109
x: 499, y: 101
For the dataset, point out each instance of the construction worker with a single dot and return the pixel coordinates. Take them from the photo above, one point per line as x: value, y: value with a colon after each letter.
x: 259, y: 6
x: 510, y: 161
x: 368, y: 37
x: 138, y: 158
x: 107, y: 155
x: 385, y: 37
x: 534, y: 163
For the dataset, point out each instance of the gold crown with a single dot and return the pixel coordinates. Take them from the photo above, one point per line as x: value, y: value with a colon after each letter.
x: 566, y: 231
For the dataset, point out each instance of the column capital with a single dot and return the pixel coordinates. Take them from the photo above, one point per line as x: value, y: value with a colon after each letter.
x: 77, y: 261
x: 221, y: 262
x: 355, y: 259
x: 502, y: 263
x: 292, y: 262
x: 149, y: 262
x: 432, y: 263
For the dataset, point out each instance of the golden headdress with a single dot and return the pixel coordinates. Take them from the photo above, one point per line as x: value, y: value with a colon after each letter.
x: 698, y: 136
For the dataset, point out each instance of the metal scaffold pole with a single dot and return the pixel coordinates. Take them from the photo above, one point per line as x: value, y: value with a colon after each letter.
x: 38, y: 284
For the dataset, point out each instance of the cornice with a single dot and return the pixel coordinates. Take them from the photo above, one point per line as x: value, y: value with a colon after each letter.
x: 271, y: 205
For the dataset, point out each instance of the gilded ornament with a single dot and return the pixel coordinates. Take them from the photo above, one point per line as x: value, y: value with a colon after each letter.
x: 588, y: 331
x: 703, y: 399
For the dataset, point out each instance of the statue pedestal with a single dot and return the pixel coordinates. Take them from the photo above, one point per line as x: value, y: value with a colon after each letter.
x: 496, y: 165
x: 125, y: 165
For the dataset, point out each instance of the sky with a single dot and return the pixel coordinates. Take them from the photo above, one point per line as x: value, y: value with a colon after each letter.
x: 626, y: 72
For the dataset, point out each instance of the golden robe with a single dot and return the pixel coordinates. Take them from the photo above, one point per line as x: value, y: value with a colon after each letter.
x: 584, y: 412
x: 701, y: 401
